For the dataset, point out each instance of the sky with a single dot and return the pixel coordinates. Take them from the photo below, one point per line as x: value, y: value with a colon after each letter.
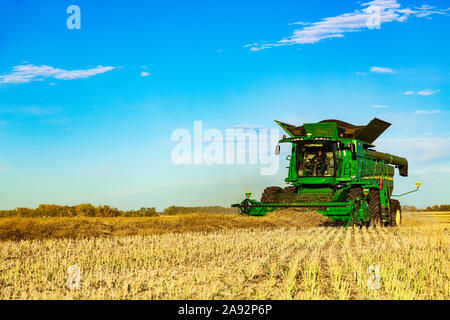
x: 90, y: 97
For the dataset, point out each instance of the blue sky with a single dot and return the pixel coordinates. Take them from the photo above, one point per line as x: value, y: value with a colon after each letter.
x: 86, y: 115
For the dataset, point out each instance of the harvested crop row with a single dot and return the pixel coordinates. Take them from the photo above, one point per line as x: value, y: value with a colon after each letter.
x: 50, y: 228
x: 284, y: 263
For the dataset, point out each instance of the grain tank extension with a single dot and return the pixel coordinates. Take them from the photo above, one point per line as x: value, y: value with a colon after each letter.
x: 334, y: 170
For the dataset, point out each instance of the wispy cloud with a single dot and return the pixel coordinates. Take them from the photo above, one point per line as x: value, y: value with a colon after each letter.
x: 426, y: 92
x: 372, y: 15
x: 29, y: 72
x: 378, y: 106
x: 417, y: 150
x: 428, y: 171
x: 302, y: 23
x: 381, y: 70
x: 427, y: 111
x: 248, y: 127
x: 30, y: 111
x: 145, y: 74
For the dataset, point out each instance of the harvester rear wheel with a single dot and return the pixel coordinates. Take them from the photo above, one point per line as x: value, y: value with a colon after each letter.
x: 270, y: 194
x: 375, y: 207
x: 395, y: 213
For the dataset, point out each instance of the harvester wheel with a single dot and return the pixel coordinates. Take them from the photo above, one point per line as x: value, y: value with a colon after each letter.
x: 375, y: 207
x: 353, y: 193
x: 395, y: 213
x: 270, y: 194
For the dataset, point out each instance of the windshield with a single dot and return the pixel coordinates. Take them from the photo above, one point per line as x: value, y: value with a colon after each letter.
x: 316, y: 159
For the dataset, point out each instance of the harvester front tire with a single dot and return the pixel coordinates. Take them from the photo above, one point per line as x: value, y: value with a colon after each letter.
x: 353, y: 193
x: 375, y: 208
x: 395, y: 213
x: 270, y: 194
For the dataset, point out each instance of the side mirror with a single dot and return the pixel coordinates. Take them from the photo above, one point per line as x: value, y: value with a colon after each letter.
x: 277, y: 149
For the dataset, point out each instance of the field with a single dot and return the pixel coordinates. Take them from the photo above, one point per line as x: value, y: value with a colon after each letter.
x: 287, y: 255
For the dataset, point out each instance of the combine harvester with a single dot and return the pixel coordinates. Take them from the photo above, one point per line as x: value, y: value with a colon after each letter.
x: 334, y: 170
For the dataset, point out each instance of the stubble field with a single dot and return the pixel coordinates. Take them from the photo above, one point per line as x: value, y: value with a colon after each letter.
x: 288, y: 255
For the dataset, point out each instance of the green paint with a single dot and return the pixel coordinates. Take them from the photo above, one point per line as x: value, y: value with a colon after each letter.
x: 350, y: 162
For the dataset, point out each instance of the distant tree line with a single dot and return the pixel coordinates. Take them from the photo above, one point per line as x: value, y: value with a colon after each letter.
x: 442, y: 207
x: 174, y: 210
x: 88, y: 210
x: 81, y: 210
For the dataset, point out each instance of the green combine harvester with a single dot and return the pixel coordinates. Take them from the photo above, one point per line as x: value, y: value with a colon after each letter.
x: 333, y: 169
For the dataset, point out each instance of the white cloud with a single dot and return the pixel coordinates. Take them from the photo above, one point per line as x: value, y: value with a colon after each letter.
x: 32, y: 110
x: 427, y: 111
x: 427, y: 92
x: 221, y: 50
x: 248, y: 127
x: 144, y: 74
x: 379, y: 106
x: 302, y: 23
x: 431, y: 170
x: 371, y: 16
x: 417, y: 150
x: 29, y: 72
x: 381, y: 70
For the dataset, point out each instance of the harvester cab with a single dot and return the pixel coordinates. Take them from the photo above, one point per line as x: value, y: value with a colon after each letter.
x: 334, y: 170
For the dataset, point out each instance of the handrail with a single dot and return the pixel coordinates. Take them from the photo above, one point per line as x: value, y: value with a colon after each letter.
x: 400, y: 195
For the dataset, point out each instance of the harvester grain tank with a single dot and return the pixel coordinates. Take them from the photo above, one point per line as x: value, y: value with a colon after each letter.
x: 334, y: 170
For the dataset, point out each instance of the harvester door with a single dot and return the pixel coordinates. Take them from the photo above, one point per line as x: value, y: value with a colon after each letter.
x: 312, y: 164
x: 330, y: 164
x: 353, y: 151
